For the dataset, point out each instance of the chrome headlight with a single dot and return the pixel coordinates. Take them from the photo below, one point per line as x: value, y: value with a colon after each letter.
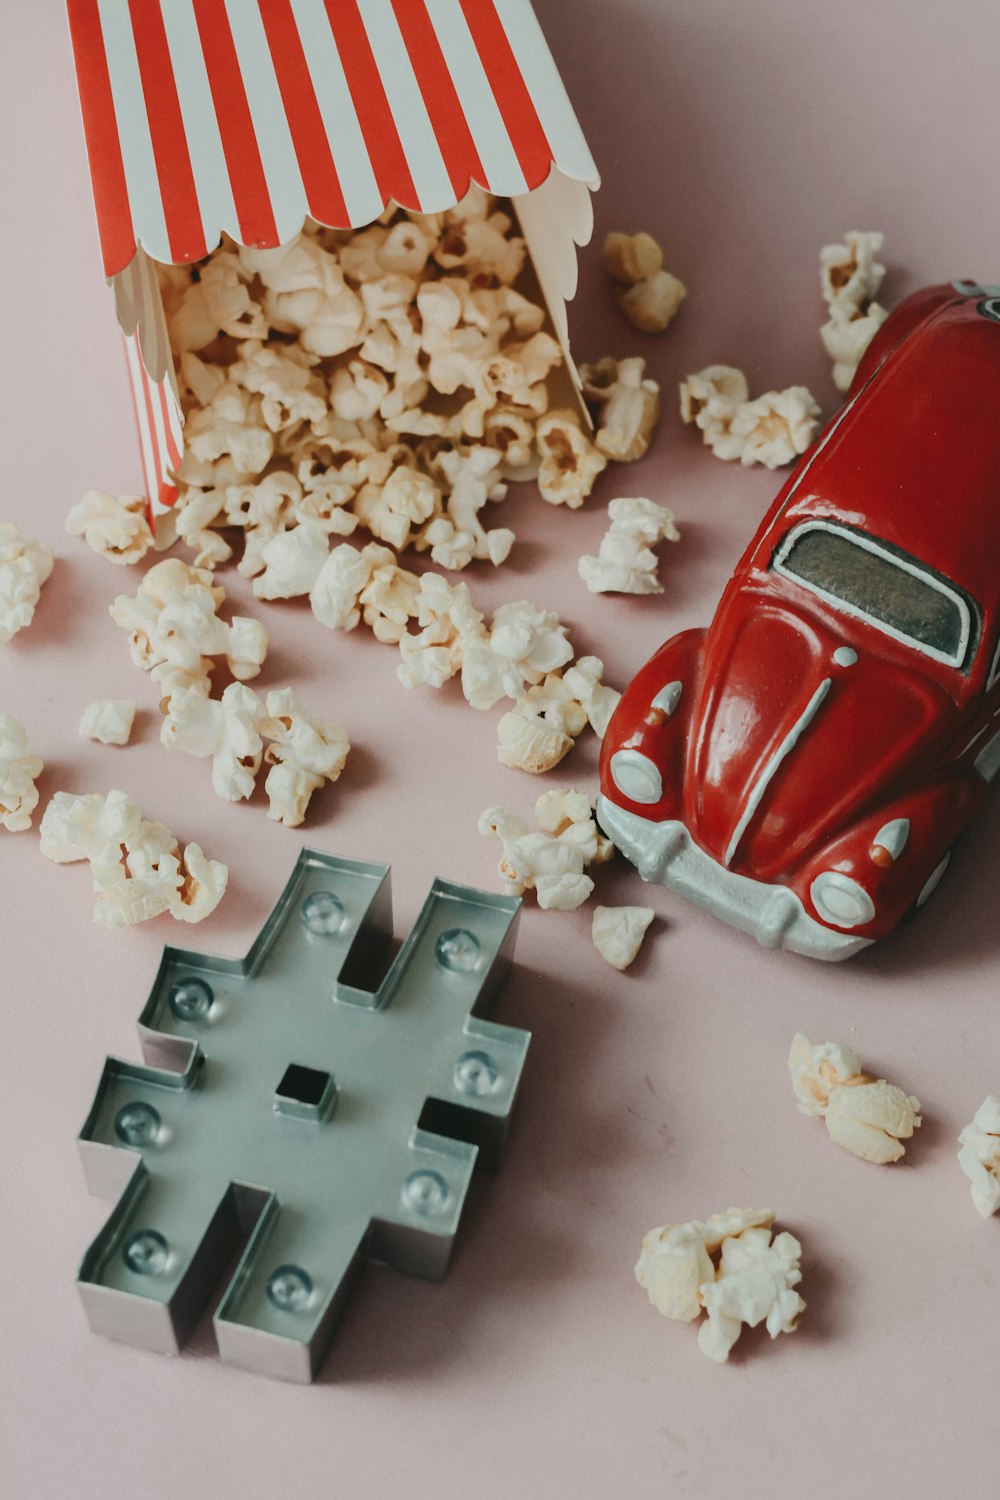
x: 840, y: 900
x: 636, y: 776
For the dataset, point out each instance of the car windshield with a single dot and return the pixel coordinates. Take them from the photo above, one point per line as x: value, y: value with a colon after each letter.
x: 866, y: 578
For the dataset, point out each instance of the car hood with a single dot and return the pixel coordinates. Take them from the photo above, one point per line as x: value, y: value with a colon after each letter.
x: 794, y: 734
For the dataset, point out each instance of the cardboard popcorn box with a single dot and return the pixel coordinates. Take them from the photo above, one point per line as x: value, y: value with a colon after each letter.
x: 248, y: 117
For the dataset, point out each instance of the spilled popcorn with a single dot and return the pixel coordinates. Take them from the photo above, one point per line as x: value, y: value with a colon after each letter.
x: 752, y: 1281
x: 618, y: 932
x: 979, y: 1157
x: 774, y: 429
x: 108, y: 720
x: 175, y: 630
x: 867, y: 1116
x: 648, y: 295
x: 114, y: 526
x: 625, y: 562
x: 392, y: 381
x: 138, y: 868
x: 19, y: 770
x: 850, y: 278
x: 552, y: 861
x: 304, y: 752
x: 24, y: 567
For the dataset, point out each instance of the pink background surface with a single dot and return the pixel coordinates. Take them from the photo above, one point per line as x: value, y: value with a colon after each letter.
x: 745, y: 134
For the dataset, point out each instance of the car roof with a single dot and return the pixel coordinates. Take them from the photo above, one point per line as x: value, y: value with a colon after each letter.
x: 915, y: 458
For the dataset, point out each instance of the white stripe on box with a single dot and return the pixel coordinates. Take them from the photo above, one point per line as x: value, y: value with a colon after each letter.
x: 343, y: 131
x: 133, y: 129
x: 160, y: 429
x: 274, y: 139
x: 138, y: 377
x: 500, y: 164
x: 201, y: 125
x: 406, y: 103
x: 570, y: 151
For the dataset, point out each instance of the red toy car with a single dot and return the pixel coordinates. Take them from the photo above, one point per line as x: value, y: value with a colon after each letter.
x: 804, y: 766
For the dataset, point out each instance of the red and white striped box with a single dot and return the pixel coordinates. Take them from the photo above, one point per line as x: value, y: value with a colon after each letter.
x: 245, y: 117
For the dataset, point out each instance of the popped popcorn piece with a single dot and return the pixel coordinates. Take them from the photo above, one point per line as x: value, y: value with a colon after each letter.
x: 528, y: 741
x: 867, y: 1116
x: 772, y: 430
x: 293, y: 561
x: 138, y: 868
x: 202, y: 886
x: 710, y: 398
x: 172, y: 619
x: 618, y: 932
x: 817, y: 1070
x: 335, y: 595
x: 850, y: 276
x: 570, y: 463
x: 846, y: 336
x: 651, y: 305
x: 979, y: 1157
x: 541, y: 728
x: 19, y: 770
x: 632, y: 257
x: 872, y: 1119
x: 625, y: 563
x: 775, y: 428
x: 522, y: 646
x: 673, y: 1266
x: 752, y: 1282
x: 628, y: 406
x: 755, y: 1283
x: 552, y: 861
x: 108, y: 720
x: 596, y: 698
x: 114, y: 526
x: 305, y: 753
x: 228, y: 729
x: 448, y: 621
x: 24, y: 567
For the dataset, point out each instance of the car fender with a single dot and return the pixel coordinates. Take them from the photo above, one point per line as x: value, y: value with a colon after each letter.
x: 652, y: 720
x: 895, y: 877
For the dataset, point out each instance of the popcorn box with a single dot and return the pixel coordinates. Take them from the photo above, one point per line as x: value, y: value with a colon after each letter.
x: 251, y: 116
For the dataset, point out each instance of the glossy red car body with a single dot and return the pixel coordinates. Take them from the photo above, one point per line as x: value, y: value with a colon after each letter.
x: 803, y: 767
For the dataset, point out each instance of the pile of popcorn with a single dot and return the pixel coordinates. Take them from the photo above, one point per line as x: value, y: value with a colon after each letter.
x: 392, y: 380
x: 850, y: 278
x: 867, y: 1116
x: 552, y: 860
x: 138, y: 868
x: 772, y: 430
x: 175, y: 634
x: 751, y: 1280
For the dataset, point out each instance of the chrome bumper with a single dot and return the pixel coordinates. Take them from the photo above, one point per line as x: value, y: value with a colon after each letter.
x: 666, y: 854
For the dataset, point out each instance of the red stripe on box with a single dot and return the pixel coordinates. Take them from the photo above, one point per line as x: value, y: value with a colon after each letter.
x: 166, y: 130
x: 107, y: 171
x: 509, y: 90
x: 437, y: 89
x: 312, y: 149
x: 239, y: 139
x: 385, y: 149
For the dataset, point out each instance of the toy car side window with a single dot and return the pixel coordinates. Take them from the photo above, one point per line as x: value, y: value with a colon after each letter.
x: 873, y: 581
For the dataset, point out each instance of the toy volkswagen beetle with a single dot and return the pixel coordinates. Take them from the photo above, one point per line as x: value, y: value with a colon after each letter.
x: 803, y: 767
